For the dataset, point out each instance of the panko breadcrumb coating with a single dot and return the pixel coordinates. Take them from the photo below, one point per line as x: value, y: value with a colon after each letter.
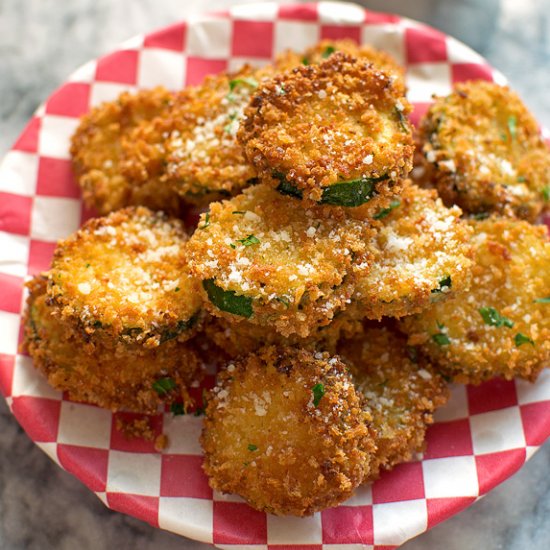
x: 97, y: 151
x: 238, y: 338
x: 381, y: 60
x: 124, y: 377
x: 335, y: 133
x: 201, y: 159
x: 420, y: 254
x: 286, y: 431
x: 501, y: 327
x: 487, y: 151
x: 401, y: 390
x: 261, y: 258
x: 125, y: 278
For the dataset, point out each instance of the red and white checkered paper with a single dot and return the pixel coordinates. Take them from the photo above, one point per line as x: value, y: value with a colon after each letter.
x: 482, y: 437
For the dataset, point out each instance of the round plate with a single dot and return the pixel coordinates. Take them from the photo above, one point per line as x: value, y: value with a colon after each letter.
x: 482, y: 437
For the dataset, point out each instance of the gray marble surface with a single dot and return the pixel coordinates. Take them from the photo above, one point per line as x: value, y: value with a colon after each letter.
x: 41, y: 41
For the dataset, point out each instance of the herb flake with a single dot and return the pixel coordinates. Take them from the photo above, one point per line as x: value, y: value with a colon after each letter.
x: 177, y: 408
x: 249, y: 241
x: 329, y: 50
x: 383, y: 212
x: 206, y: 221
x: 493, y: 318
x: 318, y: 393
x: 252, y: 447
x: 442, y: 284
x: 543, y: 300
x: 240, y: 81
x: 521, y: 339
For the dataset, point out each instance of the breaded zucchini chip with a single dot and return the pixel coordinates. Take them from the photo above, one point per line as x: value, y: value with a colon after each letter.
x: 381, y: 61
x: 263, y: 258
x: 501, y: 327
x: 420, y: 254
x: 487, y: 151
x: 201, y: 159
x: 335, y: 133
x: 125, y: 278
x: 286, y: 431
x: 238, y: 338
x: 128, y: 377
x: 401, y: 390
x: 98, y: 156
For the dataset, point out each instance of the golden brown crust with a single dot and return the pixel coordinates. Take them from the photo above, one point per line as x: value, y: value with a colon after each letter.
x: 98, y: 156
x: 401, y: 390
x: 420, y: 253
x: 487, y: 151
x: 285, y: 430
x: 288, y: 267
x: 381, y: 60
x: 125, y: 277
x: 327, y: 124
x: 238, y: 338
x: 201, y: 159
x: 475, y: 336
x: 117, y: 377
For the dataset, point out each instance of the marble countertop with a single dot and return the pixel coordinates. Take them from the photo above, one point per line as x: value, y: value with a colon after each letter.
x: 41, y: 41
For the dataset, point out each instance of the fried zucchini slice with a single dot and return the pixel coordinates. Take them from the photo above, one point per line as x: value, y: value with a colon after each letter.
x: 335, y: 133
x: 125, y: 278
x: 98, y: 157
x: 420, y: 254
x: 129, y: 377
x: 381, y: 60
x: 238, y: 338
x: 401, y: 390
x: 501, y: 327
x: 201, y: 159
x: 487, y: 152
x: 286, y: 431
x: 261, y: 258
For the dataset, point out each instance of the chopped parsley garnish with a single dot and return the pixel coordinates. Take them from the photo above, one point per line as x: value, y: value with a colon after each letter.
x: 383, y: 212
x: 520, y: 179
x: 238, y: 212
x: 177, y: 289
x: 443, y: 283
x: 441, y: 338
x: 252, y: 447
x: 281, y: 90
x: 232, y: 246
x: 246, y: 81
x: 513, y: 126
x: 249, y: 241
x: 163, y: 386
x: 493, y: 318
x: 329, y: 50
x: 88, y: 265
x: 520, y: 339
x: 318, y: 392
x: 206, y: 221
x: 481, y: 216
x: 543, y: 300
x: 546, y: 193
x: 305, y: 61
x: 177, y: 408
x: 228, y: 300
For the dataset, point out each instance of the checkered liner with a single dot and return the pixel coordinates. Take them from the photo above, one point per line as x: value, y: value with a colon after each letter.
x: 480, y: 439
